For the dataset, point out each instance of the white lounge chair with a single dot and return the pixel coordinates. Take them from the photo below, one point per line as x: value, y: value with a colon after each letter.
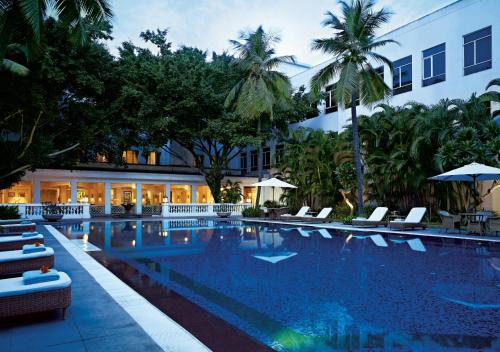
x: 412, y: 221
x: 300, y: 214
x: 376, y: 218
x: 321, y: 217
x: 18, y: 298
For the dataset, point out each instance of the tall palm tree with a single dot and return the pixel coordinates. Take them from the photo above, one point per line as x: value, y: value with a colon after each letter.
x: 262, y: 88
x: 21, y: 24
x: 353, y: 48
x: 492, y: 96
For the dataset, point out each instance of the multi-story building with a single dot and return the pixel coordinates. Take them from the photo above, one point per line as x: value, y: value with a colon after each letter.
x: 449, y: 53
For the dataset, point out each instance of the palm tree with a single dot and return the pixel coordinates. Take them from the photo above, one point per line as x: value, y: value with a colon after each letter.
x: 22, y: 21
x: 353, y: 49
x: 262, y: 88
x: 492, y: 96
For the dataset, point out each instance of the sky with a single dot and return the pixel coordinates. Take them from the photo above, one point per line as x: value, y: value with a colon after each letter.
x: 210, y: 24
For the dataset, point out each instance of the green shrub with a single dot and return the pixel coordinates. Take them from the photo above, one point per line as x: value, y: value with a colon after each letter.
x: 252, y: 212
x: 347, y: 220
x: 9, y: 212
x: 271, y: 204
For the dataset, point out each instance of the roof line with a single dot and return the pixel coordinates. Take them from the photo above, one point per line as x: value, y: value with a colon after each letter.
x: 393, y: 30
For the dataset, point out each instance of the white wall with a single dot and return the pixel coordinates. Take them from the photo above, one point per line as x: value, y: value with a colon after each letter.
x: 448, y: 25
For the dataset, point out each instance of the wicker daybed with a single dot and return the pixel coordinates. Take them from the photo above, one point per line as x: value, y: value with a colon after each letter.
x: 14, y: 262
x: 17, y: 228
x: 10, y: 243
x: 16, y: 298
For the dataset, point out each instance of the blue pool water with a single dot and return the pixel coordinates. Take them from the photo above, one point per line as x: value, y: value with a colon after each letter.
x: 304, y: 290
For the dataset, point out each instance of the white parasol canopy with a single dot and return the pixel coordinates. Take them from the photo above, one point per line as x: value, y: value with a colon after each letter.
x: 471, y: 173
x: 274, y: 182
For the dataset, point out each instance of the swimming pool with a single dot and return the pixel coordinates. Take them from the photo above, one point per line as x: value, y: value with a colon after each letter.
x: 301, y: 289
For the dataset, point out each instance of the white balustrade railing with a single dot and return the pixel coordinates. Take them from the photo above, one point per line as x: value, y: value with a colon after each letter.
x: 85, y: 211
x: 173, y: 210
x: 69, y: 211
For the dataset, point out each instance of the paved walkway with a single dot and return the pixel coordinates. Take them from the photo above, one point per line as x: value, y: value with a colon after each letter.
x: 94, y: 322
x: 432, y: 232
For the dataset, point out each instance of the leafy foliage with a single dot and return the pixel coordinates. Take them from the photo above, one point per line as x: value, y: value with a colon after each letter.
x: 9, y: 212
x: 309, y: 163
x: 231, y: 192
x: 251, y: 212
x: 353, y: 48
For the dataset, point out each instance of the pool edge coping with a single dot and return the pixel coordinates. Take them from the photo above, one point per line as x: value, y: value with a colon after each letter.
x: 336, y: 226
x: 163, y: 330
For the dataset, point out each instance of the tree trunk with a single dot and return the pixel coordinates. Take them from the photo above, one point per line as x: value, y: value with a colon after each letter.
x: 357, y: 158
x: 260, y: 166
x: 214, y: 181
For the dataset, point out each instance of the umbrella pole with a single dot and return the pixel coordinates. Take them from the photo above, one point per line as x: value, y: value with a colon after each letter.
x: 273, y: 194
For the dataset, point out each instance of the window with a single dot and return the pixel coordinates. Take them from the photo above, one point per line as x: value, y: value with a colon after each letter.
x: 380, y: 71
x: 254, y: 160
x: 280, y: 153
x: 243, y: 161
x: 401, y: 77
x: 266, y: 153
x: 330, y: 101
x: 477, y: 51
x: 152, y: 158
x: 129, y: 157
x: 434, y: 65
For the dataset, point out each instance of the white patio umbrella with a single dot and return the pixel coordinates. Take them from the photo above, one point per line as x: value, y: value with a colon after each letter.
x: 274, y: 182
x: 472, y: 172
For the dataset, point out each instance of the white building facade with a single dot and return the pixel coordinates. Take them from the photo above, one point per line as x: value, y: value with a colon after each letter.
x: 450, y: 53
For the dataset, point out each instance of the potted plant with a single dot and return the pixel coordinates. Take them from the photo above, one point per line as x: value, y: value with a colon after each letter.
x: 52, y: 212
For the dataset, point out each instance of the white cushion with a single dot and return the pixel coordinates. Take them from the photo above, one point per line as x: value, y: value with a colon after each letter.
x: 15, y: 286
x: 324, y: 213
x: 5, y: 239
x: 378, y: 214
x: 9, y: 256
x: 416, y: 215
x: 302, y: 211
x: 17, y: 225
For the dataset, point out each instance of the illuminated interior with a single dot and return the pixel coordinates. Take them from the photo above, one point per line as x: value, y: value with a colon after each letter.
x: 93, y: 193
x: 55, y: 192
x: 130, y: 157
x: 123, y: 193
x: 203, y: 195
x: 152, y: 194
x: 249, y: 194
x: 21, y: 192
x: 180, y: 194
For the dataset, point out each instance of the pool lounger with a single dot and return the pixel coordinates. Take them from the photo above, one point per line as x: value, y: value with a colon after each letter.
x: 376, y: 218
x: 13, y: 262
x: 300, y: 214
x: 10, y: 243
x: 412, y: 221
x: 321, y: 217
x: 8, y: 229
x: 17, y: 298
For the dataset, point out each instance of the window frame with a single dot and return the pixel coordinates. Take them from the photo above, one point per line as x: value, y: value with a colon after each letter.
x: 400, y: 89
x: 254, y: 156
x: 279, y: 154
x: 433, y: 79
x: 474, y: 68
x: 330, y: 91
x: 266, y: 154
x: 243, y: 161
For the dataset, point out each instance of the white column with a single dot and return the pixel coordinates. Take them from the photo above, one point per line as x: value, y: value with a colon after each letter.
x: 74, y: 191
x: 36, y: 191
x: 193, y: 193
x: 138, y: 198
x: 167, y: 192
x: 107, y: 198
